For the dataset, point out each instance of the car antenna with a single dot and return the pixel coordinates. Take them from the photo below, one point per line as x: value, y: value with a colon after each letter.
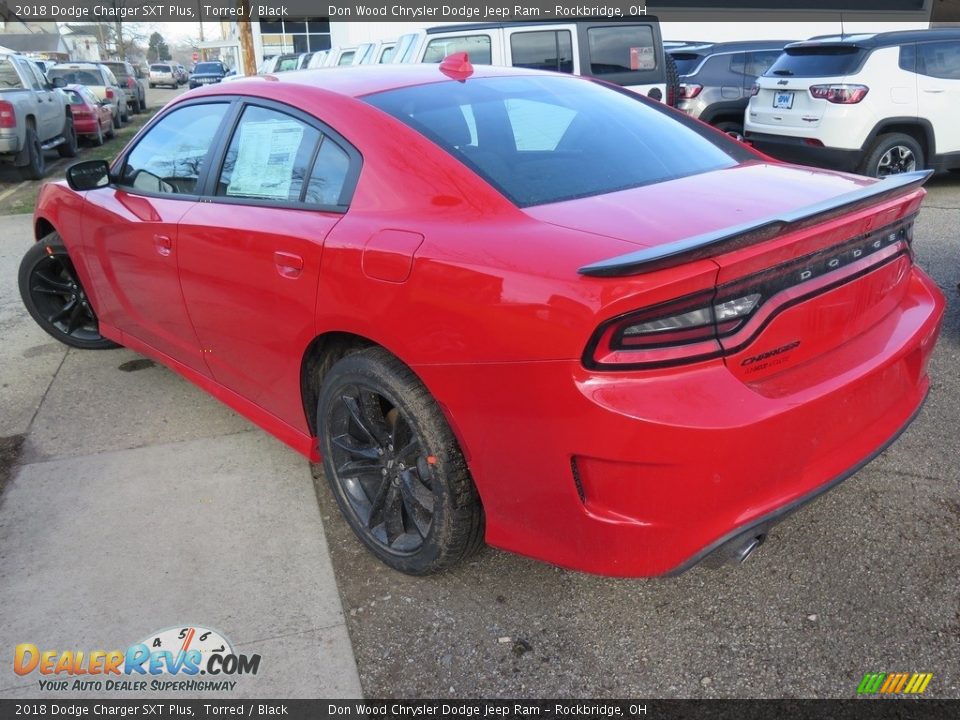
x: 457, y: 66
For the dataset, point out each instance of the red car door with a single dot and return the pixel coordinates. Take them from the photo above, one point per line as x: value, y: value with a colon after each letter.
x: 131, y: 232
x: 250, y: 254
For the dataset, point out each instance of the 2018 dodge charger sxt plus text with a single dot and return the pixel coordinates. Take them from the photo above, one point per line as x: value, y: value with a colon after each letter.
x: 477, y: 294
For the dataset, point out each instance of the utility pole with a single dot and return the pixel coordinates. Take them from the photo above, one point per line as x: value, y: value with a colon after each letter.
x: 245, y: 33
x: 121, y: 51
x: 203, y: 50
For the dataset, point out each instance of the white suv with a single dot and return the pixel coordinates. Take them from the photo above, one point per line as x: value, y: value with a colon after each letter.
x: 875, y: 104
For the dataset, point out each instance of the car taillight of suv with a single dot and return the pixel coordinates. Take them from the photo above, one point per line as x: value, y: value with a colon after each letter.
x: 840, y: 94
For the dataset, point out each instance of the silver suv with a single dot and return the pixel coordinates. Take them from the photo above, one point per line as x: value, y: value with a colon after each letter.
x: 716, y: 79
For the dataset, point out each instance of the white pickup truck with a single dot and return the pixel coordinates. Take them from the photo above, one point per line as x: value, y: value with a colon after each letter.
x: 34, y: 117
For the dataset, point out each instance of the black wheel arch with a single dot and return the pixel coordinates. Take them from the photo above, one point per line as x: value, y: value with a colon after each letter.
x: 920, y: 129
x: 724, y: 112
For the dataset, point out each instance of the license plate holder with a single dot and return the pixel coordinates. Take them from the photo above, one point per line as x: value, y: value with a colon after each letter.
x: 783, y: 100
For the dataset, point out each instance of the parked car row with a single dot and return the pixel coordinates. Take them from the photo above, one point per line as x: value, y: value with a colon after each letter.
x: 876, y: 104
x: 40, y: 111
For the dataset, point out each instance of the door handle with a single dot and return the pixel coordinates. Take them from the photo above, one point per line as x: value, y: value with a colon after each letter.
x: 163, y: 244
x: 933, y: 91
x: 288, y: 265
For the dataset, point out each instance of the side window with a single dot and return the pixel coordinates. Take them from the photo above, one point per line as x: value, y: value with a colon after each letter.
x: 27, y: 72
x: 111, y: 78
x: 940, y: 59
x: 621, y: 49
x: 37, y: 76
x: 269, y: 157
x: 478, y: 46
x: 543, y: 50
x: 908, y: 57
x: 738, y: 63
x: 170, y: 157
x: 537, y: 126
x: 329, y: 175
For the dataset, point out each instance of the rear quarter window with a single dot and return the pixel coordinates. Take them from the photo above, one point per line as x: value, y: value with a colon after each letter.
x: 818, y: 61
x: 478, y: 47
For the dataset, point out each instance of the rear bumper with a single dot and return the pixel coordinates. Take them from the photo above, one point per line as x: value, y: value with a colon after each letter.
x: 645, y: 473
x: 797, y: 150
x: 85, y: 127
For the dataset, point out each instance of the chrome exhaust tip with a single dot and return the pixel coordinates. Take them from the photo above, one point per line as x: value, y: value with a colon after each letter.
x: 747, y: 549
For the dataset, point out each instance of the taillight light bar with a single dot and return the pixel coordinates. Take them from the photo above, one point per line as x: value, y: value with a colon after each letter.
x: 8, y: 117
x: 109, y: 94
x: 840, y: 94
x: 688, y: 91
x: 690, y: 328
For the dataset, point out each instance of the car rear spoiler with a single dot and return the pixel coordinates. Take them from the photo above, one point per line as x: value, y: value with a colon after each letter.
x: 731, y: 238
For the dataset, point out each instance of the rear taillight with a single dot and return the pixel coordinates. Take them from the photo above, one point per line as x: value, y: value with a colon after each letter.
x: 8, y: 118
x: 692, y: 328
x: 754, y: 89
x: 840, y: 94
x: 688, y: 91
x: 81, y: 115
x: 109, y: 94
x: 130, y: 83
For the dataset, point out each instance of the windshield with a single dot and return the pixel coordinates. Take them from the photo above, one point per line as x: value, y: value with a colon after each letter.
x: 545, y: 139
x: 211, y: 68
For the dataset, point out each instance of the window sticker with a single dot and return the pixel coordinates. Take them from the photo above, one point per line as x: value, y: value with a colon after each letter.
x: 265, y: 159
x: 641, y: 58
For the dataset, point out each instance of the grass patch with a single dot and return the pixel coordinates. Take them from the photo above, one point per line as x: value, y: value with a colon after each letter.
x: 24, y: 200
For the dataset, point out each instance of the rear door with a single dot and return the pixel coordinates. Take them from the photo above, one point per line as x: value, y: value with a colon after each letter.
x: 938, y: 68
x: 624, y: 53
x: 50, y: 113
x: 250, y: 253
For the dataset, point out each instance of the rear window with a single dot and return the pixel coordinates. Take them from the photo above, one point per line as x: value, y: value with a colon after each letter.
x: 477, y: 46
x: 686, y: 62
x: 820, y: 61
x: 160, y: 68
x: 76, y: 77
x: 74, y: 98
x: 119, y: 69
x: 546, y: 139
x: 8, y: 75
x: 621, y: 49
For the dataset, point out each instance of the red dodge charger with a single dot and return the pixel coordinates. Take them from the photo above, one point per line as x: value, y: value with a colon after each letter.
x: 504, y: 305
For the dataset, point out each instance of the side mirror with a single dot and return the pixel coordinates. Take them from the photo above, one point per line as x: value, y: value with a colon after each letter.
x: 58, y: 82
x: 88, y: 175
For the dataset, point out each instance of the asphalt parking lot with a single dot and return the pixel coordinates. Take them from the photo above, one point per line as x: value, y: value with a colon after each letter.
x: 135, y: 502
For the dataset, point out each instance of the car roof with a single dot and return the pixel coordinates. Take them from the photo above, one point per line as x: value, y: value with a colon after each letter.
x: 887, y: 39
x: 723, y: 47
x: 465, y: 27
x: 360, y: 80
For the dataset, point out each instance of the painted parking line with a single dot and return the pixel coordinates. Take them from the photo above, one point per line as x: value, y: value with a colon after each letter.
x: 7, y: 193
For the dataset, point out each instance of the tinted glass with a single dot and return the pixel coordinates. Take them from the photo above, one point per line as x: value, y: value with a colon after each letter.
x: 477, y: 46
x: 545, y: 50
x: 211, y: 68
x: 37, y: 78
x: 908, y: 57
x: 940, y: 59
x: 169, y: 158
x: 119, y: 70
x: 76, y: 77
x: 545, y: 139
x: 686, y: 62
x: 823, y: 61
x: 160, y: 68
x: 328, y: 176
x: 8, y: 74
x: 759, y: 61
x: 74, y: 98
x: 621, y: 49
x: 269, y: 157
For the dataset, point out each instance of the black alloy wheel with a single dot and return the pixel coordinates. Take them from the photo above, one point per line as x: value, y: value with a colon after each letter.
x: 394, y: 465
x: 52, y: 293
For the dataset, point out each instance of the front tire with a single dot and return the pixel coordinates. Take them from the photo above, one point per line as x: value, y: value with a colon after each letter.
x: 68, y: 148
x: 893, y: 154
x: 394, y: 465
x: 53, y: 295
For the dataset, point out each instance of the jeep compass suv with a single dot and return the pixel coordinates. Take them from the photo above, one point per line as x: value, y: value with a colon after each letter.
x: 875, y: 104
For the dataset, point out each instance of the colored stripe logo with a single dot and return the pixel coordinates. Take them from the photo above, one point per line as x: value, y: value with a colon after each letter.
x: 894, y: 683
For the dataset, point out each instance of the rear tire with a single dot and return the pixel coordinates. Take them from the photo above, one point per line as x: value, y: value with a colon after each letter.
x: 116, y: 121
x: 394, y: 465
x: 53, y: 295
x: 893, y: 154
x: 98, y: 138
x: 36, y: 163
